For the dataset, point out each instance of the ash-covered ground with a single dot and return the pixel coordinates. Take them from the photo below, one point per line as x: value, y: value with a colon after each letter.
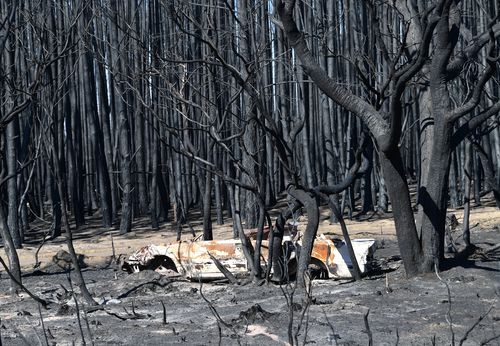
x: 384, y: 306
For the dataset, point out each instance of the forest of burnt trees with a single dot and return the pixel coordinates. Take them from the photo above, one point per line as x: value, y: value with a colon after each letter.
x: 164, y: 109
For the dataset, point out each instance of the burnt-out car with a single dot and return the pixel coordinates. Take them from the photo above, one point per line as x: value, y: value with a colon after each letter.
x: 192, y: 260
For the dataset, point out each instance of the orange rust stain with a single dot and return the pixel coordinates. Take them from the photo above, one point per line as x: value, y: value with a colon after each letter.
x: 223, y: 251
x: 187, y: 252
x: 320, y: 251
x: 227, y: 248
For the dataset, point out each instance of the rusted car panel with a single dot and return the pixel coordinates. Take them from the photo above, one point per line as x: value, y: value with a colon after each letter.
x: 191, y: 258
x: 335, y: 257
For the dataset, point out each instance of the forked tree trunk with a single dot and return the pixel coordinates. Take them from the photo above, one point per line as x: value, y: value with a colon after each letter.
x: 312, y: 210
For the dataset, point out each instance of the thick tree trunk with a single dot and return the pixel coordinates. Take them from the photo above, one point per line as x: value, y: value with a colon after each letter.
x: 433, y: 198
x: 408, y: 241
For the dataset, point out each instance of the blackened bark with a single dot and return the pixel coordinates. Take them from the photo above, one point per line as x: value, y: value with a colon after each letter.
x: 207, y: 208
x: 69, y: 235
x: 258, y: 242
x: 477, y: 179
x: 278, y: 262
x: 55, y: 201
x: 434, y: 197
x: 12, y: 134
x: 248, y: 249
x: 12, y: 191
x: 489, y: 174
x: 367, y: 203
x: 155, y: 176
x: 75, y: 153
x: 249, y: 160
x: 122, y: 126
x: 218, y: 201
x: 140, y: 161
x: 467, y: 193
x: 406, y: 232
x: 311, y: 204
x: 126, y: 181
x: 11, y: 252
x: 385, y: 134
x: 454, y: 181
x: 108, y: 114
x: 97, y: 140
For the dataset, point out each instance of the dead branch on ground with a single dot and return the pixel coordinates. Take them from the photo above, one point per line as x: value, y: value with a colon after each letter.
x: 164, y: 312
x: 368, y: 330
x: 480, y: 318
x: 133, y: 289
x: 86, y: 319
x: 25, y: 314
x: 218, y: 319
x: 335, y: 337
x: 42, y: 324
x: 448, y: 312
x: 77, y: 306
x: 487, y: 341
x: 232, y: 279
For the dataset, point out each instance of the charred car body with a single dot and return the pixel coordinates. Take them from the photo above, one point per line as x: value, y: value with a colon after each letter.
x: 192, y: 260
